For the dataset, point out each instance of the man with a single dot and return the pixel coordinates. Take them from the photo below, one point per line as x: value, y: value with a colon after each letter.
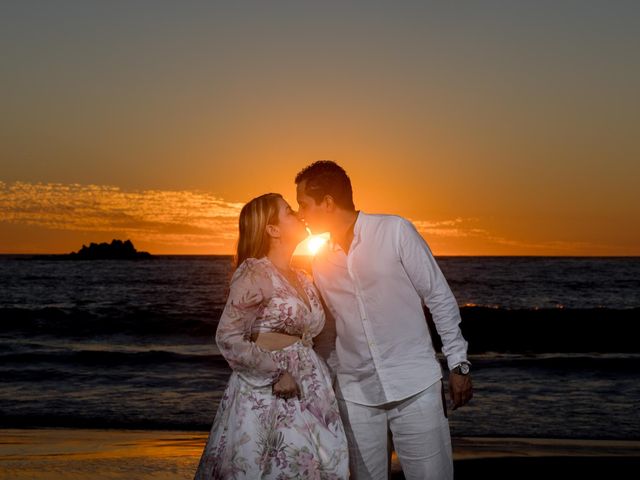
x: 374, y: 274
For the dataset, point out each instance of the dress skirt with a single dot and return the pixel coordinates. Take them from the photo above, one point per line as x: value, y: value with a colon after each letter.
x: 256, y: 435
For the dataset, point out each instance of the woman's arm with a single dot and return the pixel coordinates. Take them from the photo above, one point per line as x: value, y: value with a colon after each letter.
x: 250, y: 288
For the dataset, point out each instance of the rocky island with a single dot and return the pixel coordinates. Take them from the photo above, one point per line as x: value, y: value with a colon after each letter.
x: 116, y: 250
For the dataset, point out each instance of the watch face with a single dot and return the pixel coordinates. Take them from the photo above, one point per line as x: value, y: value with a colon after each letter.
x: 464, y: 369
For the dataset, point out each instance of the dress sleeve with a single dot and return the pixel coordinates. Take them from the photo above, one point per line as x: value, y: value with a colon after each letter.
x: 250, y: 288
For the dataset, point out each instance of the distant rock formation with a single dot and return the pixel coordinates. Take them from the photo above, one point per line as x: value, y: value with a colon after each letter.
x: 117, y: 250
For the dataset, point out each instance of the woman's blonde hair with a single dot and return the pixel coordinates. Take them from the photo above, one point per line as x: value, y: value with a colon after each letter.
x: 253, y: 241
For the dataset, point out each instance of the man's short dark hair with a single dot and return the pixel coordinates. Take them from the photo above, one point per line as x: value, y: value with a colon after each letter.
x: 325, y: 177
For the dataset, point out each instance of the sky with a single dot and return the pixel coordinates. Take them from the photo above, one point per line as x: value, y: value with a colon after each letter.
x: 498, y: 128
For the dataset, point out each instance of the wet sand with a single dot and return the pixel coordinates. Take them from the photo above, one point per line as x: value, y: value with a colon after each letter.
x: 61, y: 453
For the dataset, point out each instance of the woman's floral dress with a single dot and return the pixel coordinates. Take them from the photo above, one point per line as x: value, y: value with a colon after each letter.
x: 256, y: 435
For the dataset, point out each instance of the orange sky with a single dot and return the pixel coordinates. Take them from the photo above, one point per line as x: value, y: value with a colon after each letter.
x: 497, y: 130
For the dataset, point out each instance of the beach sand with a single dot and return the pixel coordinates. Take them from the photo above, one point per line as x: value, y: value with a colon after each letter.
x: 61, y: 453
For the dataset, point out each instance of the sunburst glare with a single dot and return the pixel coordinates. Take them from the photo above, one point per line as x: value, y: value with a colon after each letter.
x: 315, y: 242
x: 312, y: 244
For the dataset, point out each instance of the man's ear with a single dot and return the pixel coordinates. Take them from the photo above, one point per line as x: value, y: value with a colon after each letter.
x: 273, y: 231
x: 330, y: 203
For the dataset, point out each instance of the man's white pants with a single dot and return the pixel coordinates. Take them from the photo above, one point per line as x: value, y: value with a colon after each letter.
x: 420, y: 432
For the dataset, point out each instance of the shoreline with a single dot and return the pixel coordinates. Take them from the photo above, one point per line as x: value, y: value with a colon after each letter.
x: 71, y: 453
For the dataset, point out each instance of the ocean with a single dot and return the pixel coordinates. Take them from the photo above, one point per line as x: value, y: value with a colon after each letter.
x: 130, y: 344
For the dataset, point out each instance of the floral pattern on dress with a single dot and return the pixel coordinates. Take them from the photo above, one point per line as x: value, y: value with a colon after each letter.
x: 256, y: 435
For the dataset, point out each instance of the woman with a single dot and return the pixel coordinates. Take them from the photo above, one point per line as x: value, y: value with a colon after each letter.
x: 278, y: 417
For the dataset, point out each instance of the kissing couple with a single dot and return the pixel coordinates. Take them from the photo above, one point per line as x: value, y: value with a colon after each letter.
x: 330, y: 369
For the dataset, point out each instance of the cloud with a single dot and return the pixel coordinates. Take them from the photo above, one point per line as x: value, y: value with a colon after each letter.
x: 448, y: 228
x: 197, y: 221
x: 181, y: 217
x: 466, y: 227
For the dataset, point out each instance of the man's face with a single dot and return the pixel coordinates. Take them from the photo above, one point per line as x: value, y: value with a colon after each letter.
x: 314, y: 215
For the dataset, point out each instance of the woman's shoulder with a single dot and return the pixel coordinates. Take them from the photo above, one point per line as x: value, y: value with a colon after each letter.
x: 255, y: 268
x: 254, y: 263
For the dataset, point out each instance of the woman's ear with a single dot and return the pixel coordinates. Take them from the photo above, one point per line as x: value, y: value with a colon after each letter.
x: 273, y: 231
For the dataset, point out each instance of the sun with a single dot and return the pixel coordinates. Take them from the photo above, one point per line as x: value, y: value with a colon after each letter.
x: 315, y: 242
x: 312, y: 244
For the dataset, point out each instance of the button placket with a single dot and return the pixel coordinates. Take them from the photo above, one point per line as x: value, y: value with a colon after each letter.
x: 366, y: 326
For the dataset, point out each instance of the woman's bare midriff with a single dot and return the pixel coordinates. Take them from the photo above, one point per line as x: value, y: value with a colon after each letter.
x: 273, y: 340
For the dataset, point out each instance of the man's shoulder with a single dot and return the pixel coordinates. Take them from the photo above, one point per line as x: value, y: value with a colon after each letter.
x: 384, y: 219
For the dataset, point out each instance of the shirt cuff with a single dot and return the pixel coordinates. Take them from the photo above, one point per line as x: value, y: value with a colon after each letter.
x: 454, y: 362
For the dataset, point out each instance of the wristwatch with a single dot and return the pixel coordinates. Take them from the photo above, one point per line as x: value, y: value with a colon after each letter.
x: 462, y: 369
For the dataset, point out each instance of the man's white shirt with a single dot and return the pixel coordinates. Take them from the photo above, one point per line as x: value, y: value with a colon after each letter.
x: 376, y: 293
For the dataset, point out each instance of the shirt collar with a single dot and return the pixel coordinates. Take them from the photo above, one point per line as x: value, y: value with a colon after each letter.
x: 357, y: 228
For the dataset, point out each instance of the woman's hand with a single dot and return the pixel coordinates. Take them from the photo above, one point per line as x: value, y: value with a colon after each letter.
x: 286, y: 387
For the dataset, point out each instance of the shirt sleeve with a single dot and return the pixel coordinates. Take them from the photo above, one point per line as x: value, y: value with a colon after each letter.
x: 430, y: 283
x: 249, y: 290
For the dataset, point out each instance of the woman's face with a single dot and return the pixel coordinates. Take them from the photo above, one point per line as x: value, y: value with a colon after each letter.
x: 292, y: 229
